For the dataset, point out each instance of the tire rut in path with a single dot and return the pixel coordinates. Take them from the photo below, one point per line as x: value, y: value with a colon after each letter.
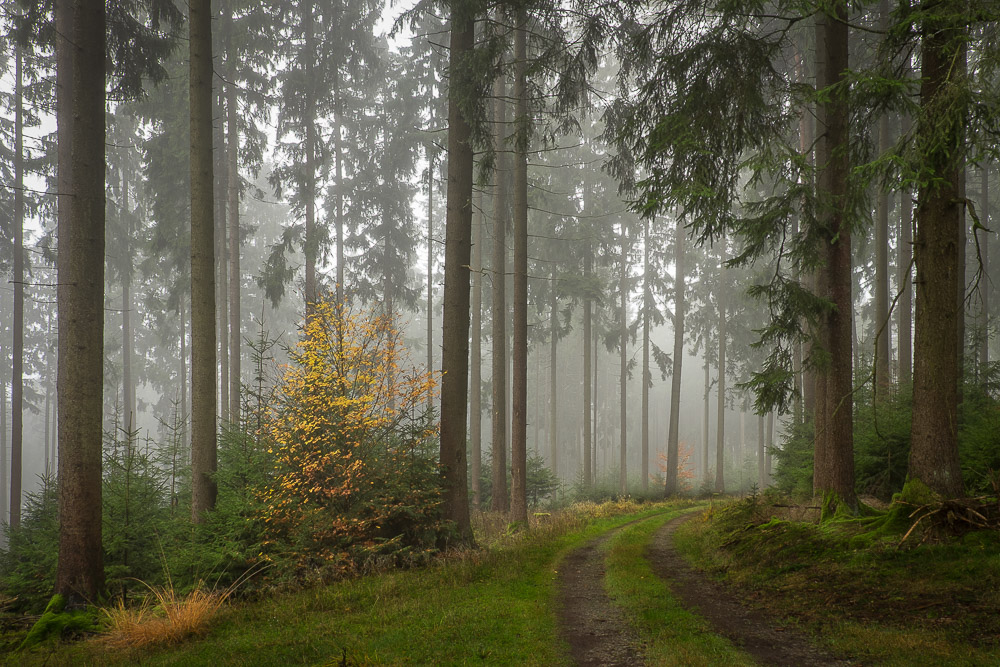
x: 755, y: 631
x: 594, y: 628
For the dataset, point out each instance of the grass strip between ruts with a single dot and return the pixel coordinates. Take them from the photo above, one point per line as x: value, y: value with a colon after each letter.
x: 670, y: 634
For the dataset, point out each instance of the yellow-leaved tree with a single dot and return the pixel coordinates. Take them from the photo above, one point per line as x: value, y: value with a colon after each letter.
x: 355, y: 476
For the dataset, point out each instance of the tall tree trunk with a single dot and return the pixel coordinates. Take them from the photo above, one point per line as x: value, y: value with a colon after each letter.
x: 4, y: 497
x: 311, y: 246
x: 500, y: 500
x: 128, y: 382
x: 761, y: 464
x: 220, y: 196
x: 476, y: 355
x: 235, y: 278
x: 673, y: 428
x: 834, y: 460
x: 553, y: 376
x: 430, y: 274
x: 80, y: 58
x: 338, y: 161
x: 595, y: 408
x: 984, y: 284
x: 458, y: 251
x: 623, y: 364
x: 519, y: 381
x: 704, y: 423
x: 720, y: 431
x: 905, y: 305
x: 203, y: 366
x: 183, y: 316
x: 17, y: 356
x: 767, y: 450
x: 587, y: 305
x: 647, y: 380
x: 934, y: 436
x: 882, y: 334
x: 49, y: 353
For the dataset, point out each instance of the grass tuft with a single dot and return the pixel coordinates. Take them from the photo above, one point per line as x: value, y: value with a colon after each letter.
x: 162, y: 617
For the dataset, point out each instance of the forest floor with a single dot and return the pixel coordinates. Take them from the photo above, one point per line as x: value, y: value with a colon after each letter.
x: 678, y: 583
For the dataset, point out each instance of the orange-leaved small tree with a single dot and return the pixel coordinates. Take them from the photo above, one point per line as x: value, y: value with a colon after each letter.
x: 355, y: 477
x: 685, y: 470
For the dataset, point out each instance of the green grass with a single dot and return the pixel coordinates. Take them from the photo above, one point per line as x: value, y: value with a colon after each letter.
x: 495, y: 606
x: 858, y: 590
x: 671, y: 635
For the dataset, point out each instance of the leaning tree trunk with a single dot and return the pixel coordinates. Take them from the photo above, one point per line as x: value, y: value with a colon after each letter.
x: 458, y: 251
x: 934, y: 436
x: 834, y: 459
x: 673, y: 428
x: 80, y: 59
x: 499, y: 500
x: 519, y: 381
x: 17, y: 357
x: 203, y: 384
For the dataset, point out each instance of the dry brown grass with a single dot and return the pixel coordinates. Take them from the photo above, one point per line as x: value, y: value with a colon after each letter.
x: 163, y: 617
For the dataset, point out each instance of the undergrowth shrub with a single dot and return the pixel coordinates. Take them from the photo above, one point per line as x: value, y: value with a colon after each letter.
x: 354, y: 473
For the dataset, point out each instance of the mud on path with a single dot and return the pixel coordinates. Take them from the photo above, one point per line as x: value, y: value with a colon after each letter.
x: 595, y: 629
x: 755, y: 631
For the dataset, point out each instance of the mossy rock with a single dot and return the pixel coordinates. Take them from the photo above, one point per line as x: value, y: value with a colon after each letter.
x: 56, y: 621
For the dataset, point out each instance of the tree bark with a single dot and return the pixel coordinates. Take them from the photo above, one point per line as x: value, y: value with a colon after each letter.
x: 984, y: 284
x: 203, y: 366
x: 311, y: 246
x: 430, y: 273
x: 834, y: 457
x: 476, y: 356
x: 519, y: 381
x: 220, y: 195
x: 553, y: 376
x: 647, y: 380
x: 673, y: 428
x: 934, y: 435
x: 882, y: 323
x: 458, y: 250
x: 720, y: 432
x: 587, y: 305
x: 905, y: 304
x: 500, y: 501
x: 704, y: 423
x: 128, y: 382
x: 235, y: 278
x: 17, y: 356
x: 761, y: 465
x: 622, y: 362
x: 80, y: 59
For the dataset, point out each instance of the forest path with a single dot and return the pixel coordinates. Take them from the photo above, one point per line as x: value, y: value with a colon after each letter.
x: 755, y: 631
x: 595, y: 629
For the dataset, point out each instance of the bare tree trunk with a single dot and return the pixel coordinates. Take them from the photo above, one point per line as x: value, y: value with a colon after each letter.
x: 80, y: 57
x: 761, y: 464
x: 500, y: 501
x: 704, y: 423
x: 587, y: 434
x: 553, y: 376
x: 476, y: 356
x: 519, y: 381
x: 311, y: 246
x: 430, y: 275
x: 647, y: 380
x: 183, y: 315
x: 458, y: 251
x: 235, y: 278
x: 834, y: 460
x: 220, y: 196
x: 17, y: 356
x: 883, y: 336
x: 905, y: 305
x: 128, y: 382
x: 984, y: 284
x: 203, y: 366
x: 936, y: 373
x: 623, y: 364
x: 767, y: 450
x: 4, y: 497
x: 720, y: 432
x: 673, y: 428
